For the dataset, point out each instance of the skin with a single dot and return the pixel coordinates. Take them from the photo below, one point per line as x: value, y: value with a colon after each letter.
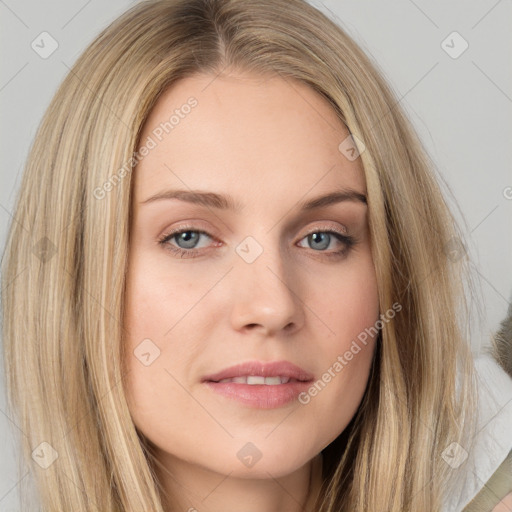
x: 270, y: 143
x: 505, y: 505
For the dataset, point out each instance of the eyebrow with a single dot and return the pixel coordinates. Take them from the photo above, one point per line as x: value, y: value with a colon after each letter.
x: 226, y: 202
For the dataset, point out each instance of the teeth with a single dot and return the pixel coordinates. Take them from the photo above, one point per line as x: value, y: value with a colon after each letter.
x: 253, y: 379
x: 258, y: 379
x: 267, y: 380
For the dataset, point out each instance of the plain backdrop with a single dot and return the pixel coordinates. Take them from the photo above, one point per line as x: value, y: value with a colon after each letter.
x: 449, y: 63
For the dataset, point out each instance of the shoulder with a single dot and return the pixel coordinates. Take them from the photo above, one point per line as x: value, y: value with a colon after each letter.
x: 496, y: 494
x: 485, y: 478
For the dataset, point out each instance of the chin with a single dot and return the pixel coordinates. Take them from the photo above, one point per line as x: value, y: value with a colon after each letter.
x: 278, y: 461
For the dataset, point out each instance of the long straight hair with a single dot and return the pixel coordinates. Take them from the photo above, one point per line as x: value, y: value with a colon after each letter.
x: 66, y: 257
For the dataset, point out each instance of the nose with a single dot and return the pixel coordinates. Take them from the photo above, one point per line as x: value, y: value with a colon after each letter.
x: 263, y: 297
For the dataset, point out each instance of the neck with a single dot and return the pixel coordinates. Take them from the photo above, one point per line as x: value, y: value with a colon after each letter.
x: 193, y: 488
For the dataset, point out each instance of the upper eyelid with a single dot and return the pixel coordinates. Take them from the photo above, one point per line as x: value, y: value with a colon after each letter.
x: 313, y: 229
x: 323, y: 227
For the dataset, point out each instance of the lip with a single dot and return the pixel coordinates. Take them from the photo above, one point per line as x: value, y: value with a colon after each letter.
x: 261, y: 396
x: 265, y: 369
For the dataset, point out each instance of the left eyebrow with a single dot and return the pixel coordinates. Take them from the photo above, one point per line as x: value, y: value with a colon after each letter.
x: 226, y: 202
x: 332, y: 198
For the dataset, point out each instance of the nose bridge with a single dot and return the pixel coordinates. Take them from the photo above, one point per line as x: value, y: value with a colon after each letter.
x: 264, y: 293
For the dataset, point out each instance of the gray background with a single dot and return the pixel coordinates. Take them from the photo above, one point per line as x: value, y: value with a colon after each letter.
x: 460, y: 106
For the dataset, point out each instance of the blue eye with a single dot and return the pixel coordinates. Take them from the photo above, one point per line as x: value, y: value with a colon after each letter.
x: 186, y: 239
x: 186, y: 242
x: 322, y: 240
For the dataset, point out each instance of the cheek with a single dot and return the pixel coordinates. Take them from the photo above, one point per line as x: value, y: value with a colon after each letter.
x: 351, y: 310
x: 155, y: 299
x: 349, y: 302
x: 147, y: 318
x: 156, y: 356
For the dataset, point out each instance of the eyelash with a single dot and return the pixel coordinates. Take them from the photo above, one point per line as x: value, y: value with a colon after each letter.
x: 347, y: 240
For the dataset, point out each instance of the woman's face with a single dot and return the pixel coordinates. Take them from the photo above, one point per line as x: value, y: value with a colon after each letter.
x: 255, y: 277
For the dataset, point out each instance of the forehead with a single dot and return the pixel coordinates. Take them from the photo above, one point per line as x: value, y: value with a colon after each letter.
x: 261, y: 136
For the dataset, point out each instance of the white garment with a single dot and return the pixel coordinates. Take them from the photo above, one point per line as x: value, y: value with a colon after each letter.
x: 493, y: 440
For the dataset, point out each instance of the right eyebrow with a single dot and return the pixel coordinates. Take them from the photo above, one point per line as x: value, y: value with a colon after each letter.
x: 209, y: 199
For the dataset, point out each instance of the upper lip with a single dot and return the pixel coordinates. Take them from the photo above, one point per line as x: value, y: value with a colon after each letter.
x: 262, y: 368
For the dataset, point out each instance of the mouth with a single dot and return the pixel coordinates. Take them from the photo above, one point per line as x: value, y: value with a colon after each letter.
x: 259, y: 380
x: 261, y: 385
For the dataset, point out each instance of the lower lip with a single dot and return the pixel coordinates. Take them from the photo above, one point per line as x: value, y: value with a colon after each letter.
x: 260, y: 396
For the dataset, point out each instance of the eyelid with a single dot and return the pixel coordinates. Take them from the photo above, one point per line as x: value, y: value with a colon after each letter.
x: 326, y: 227
x: 169, y: 235
x: 192, y: 225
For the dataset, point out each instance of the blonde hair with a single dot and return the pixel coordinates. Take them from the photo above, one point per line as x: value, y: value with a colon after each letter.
x: 66, y: 256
